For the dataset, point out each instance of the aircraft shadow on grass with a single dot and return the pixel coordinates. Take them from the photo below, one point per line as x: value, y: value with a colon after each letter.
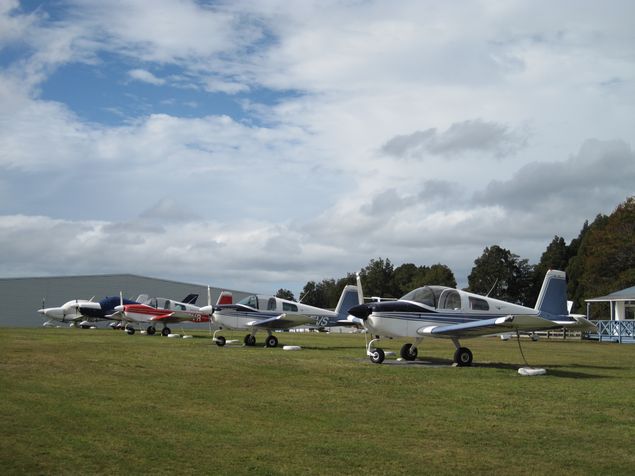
x: 555, y: 370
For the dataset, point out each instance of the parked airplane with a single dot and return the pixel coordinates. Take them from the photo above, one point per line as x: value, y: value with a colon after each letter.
x: 443, y: 312
x: 105, y: 309
x: 67, y: 312
x: 271, y: 313
x: 166, y: 311
x: 84, y: 312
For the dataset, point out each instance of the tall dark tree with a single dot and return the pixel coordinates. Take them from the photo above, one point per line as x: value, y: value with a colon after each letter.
x: 556, y: 256
x: 378, y: 278
x: 407, y: 277
x: 313, y: 295
x: 285, y: 294
x: 577, y: 250
x: 503, y: 273
x: 440, y: 274
x: 606, y: 258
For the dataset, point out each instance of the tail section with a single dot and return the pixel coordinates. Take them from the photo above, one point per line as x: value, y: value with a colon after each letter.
x: 225, y: 298
x: 190, y: 299
x: 348, y: 299
x: 553, y: 294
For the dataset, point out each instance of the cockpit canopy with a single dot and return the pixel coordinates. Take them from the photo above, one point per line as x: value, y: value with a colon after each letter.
x: 442, y: 297
x: 163, y: 303
x: 428, y: 295
x: 268, y: 303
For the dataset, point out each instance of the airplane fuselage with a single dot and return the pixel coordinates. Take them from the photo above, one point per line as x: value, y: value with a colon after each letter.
x: 435, y: 306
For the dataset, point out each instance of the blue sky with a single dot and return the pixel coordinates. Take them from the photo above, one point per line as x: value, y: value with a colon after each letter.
x: 263, y: 144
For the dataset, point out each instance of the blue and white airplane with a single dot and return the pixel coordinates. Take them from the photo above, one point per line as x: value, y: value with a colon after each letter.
x: 271, y: 313
x: 439, y: 311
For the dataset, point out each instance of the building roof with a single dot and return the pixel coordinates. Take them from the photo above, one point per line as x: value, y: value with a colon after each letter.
x: 627, y: 294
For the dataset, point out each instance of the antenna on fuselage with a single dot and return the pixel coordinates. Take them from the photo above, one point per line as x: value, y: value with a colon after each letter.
x: 492, y: 288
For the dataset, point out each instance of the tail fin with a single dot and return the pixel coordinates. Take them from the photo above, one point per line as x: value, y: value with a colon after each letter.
x: 553, y: 294
x: 225, y: 298
x: 348, y: 299
x: 190, y: 299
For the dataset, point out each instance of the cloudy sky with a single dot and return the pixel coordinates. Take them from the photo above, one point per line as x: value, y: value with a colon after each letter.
x: 262, y: 144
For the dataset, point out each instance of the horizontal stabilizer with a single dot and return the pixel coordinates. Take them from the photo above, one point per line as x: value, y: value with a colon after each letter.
x: 490, y: 326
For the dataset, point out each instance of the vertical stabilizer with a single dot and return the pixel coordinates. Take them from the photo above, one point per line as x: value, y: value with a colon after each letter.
x: 348, y: 299
x: 225, y: 297
x: 553, y: 294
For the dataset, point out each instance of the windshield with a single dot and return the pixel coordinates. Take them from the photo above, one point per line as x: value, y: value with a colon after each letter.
x: 251, y: 301
x: 428, y: 295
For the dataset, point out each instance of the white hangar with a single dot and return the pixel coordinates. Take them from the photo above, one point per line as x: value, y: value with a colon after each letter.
x: 22, y: 297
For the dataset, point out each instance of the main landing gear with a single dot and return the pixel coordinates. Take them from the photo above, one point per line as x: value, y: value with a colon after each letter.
x: 462, y: 355
x: 249, y: 340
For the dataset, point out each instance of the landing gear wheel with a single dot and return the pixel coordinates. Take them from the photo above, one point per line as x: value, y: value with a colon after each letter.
x: 220, y: 341
x: 151, y: 330
x: 166, y: 331
x: 408, y: 352
x: 271, y: 341
x: 130, y: 330
x: 463, y: 357
x: 250, y: 340
x: 377, y: 356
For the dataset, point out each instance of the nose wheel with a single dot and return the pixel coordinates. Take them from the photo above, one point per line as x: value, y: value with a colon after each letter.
x: 375, y: 355
x: 250, y: 340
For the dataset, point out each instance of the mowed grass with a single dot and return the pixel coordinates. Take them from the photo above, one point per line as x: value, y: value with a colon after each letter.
x: 100, y: 401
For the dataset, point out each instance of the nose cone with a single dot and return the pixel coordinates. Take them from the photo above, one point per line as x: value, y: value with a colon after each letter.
x: 52, y: 312
x: 207, y: 310
x: 119, y: 308
x: 361, y: 311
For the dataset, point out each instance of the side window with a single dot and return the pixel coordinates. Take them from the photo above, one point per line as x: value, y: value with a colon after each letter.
x: 271, y: 305
x: 478, y: 304
x: 450, y: 299
x: 286, y: 306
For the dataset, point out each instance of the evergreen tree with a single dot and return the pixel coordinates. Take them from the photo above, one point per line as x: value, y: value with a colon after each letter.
x: 285, y: 294
x: 556, y: 256
x: 606, y: 258
x: 378, y: 278
x: 500, y: 271
x: 441, y: 275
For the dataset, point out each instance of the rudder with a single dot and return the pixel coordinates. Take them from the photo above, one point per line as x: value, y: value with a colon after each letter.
x: 553, y: 294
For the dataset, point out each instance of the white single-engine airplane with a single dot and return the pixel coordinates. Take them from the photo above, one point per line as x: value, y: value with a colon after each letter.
x: 166, y: 311
x: 67, y: 312
x: 439, y: 311
x: 271, y: 313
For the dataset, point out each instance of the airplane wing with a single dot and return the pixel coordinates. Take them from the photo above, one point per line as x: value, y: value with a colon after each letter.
x: 492, y: 326
x: 115, y: 316
x: 282, y: 321
x: 167, y: 318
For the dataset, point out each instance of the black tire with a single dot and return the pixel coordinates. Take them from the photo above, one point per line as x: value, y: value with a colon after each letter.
x: 377, y: 356
x: 151, y: 330
x: 220, y: 341
x: 408, y: 352
x: 271, y: 341
x: 130, y: 330
x: 250, y: 340
x: 463, y: 357
x: 166, y: 331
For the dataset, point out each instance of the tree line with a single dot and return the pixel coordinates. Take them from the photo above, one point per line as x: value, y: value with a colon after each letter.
x: 600, y: 260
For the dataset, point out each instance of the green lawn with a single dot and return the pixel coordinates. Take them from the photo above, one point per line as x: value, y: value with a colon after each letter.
x: 100, y: 401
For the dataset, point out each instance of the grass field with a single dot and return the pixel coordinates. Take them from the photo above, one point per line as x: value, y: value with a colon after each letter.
x: 100, y: 401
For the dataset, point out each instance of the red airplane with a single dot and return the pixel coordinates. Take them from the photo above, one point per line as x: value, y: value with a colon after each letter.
x: 166, y: 311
